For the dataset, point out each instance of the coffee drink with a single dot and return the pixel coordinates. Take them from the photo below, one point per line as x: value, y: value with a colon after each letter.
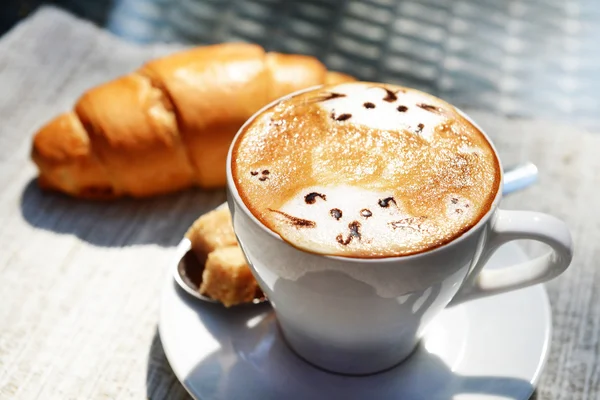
x: 365, y: 170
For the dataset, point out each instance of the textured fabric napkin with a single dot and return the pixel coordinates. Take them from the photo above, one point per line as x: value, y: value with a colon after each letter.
x: 80, y: 282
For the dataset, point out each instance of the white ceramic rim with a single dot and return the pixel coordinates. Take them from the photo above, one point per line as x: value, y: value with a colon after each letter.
x: 234, y: 192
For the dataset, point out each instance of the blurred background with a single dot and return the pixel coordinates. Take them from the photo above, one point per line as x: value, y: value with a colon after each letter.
x: 518, y: 58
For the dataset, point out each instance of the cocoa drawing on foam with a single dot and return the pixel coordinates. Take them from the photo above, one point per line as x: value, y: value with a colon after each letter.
x: 385, y: 203
x: 327, y: 96
x: 429, y: 107
x: 354, y: 228
x: 458, y: 210
x: 391, y: 96
x: 336, y: 213
x: 365, y: 212
x: 311, y: 198
x: 341, y: 117
x: 264, y: 174
x: 295, y: 221
x: 409, y: 223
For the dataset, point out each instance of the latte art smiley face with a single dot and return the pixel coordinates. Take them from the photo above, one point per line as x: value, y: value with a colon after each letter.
x: 365, y: 170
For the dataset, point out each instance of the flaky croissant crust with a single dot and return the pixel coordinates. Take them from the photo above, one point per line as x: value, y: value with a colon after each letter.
x: 168, y: 125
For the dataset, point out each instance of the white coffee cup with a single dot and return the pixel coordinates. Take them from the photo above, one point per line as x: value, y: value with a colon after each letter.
x: 360, y: 316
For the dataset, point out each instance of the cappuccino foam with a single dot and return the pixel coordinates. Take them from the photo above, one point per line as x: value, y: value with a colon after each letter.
x: 365, y: 170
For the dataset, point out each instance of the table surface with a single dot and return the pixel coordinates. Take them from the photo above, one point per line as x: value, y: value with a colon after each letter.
x: 80, y: 281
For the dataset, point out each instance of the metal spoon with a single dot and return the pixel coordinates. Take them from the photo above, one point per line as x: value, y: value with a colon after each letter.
x: 519, y: 177
x: 188, y: 270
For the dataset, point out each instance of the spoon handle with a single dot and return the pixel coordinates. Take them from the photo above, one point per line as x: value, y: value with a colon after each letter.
x: 519, y: 177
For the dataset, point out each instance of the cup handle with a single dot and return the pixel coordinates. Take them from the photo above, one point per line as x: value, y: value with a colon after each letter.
x: 514, y: 225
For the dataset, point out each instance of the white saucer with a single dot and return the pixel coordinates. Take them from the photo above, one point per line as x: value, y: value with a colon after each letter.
x: 492, y: 348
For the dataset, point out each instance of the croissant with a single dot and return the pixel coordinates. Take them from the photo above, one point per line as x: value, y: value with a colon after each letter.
x: 168, y: 125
